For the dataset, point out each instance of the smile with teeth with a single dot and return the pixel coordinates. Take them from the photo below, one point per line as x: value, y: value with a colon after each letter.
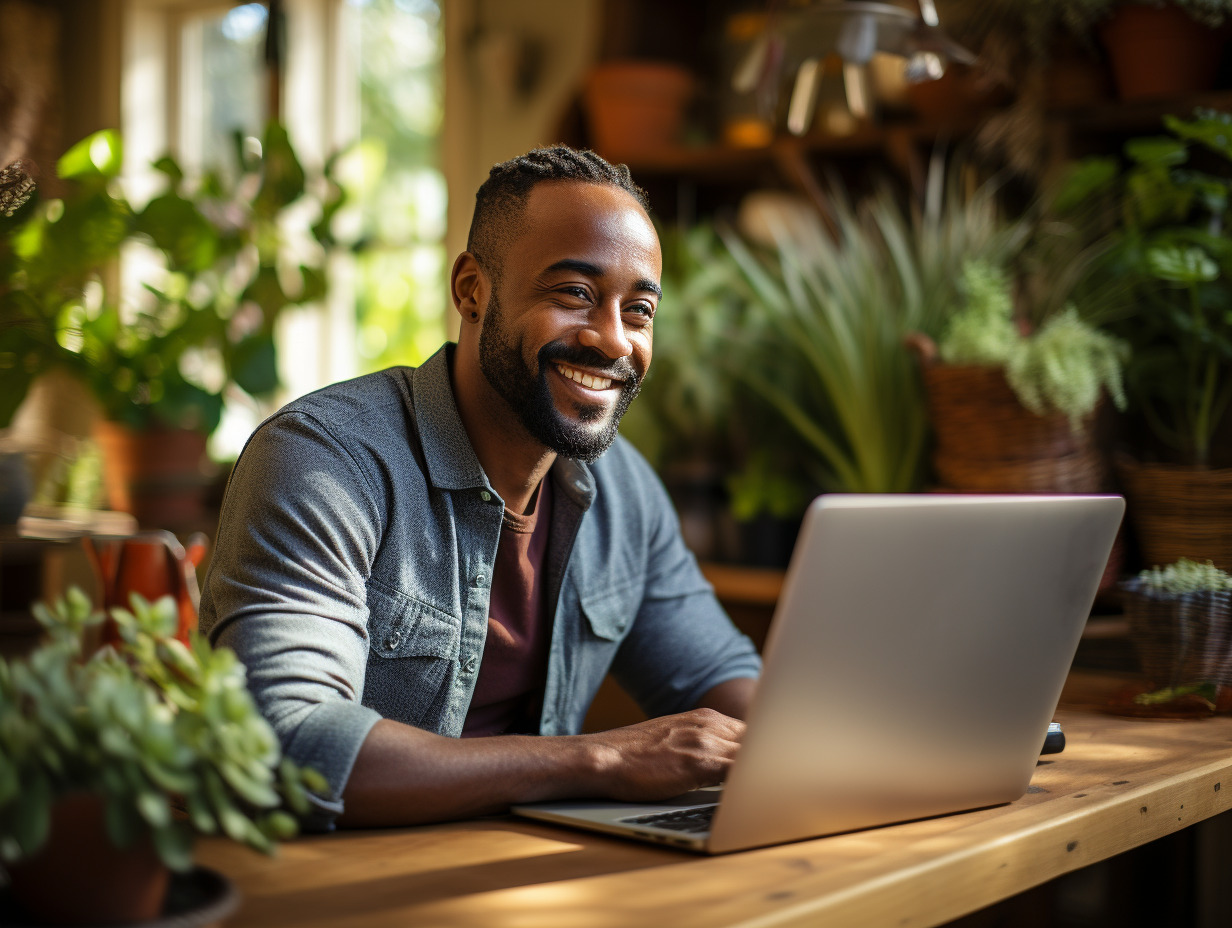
x: 586, y: 380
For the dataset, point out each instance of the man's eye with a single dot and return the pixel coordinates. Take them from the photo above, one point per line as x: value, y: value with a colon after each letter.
x: 579, y: 293
x: 642, y: 312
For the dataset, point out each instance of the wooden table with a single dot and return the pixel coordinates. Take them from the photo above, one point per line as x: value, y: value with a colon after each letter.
x: 1119, y: 784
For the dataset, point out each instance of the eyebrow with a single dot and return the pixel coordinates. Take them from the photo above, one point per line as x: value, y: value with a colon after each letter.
x: 594, y: 270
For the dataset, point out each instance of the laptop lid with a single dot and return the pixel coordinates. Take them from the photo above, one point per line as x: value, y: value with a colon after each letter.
x: 915, y: 659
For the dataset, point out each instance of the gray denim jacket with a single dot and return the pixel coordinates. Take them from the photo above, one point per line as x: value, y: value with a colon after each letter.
x: 354, y: 560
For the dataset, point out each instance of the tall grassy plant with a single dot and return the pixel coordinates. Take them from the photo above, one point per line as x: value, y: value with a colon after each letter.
x: 828, y: 355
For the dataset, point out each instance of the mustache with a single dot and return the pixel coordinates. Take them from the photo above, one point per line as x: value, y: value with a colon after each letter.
x: 593, y: 360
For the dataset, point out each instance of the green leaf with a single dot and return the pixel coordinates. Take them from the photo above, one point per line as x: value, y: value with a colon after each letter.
x: 32, y: 816
x: 315, y: 284
x: 176, y: 226
x: 254, y: 365
x: 1084, y: 180
x: 1211, y: 128
x: 99, y: 155
x: 283, y: 180
x: 199, y: 814
x: 1185, y: 266
x: 154, y: 808
x: 174, y: 844
x: 280, y: 826
x: 1157, y: 151
x: 168, y: 165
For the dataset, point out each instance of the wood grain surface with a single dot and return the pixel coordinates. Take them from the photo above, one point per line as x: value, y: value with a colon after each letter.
x: 1119, y: 783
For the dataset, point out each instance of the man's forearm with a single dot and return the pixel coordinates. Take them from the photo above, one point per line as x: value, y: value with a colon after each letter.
x: 406, y: 776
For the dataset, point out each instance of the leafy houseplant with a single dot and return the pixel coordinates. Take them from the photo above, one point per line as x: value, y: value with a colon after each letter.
x: 1165, y: 217
x: 1181, y: 624
x: 217, y: 267
x: 146, y: 726
x: 1162, y: 218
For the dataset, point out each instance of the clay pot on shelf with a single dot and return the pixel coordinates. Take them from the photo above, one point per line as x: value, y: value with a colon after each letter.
x: 159, y: 474
x: 1159, y: 52
x: 636, y: 108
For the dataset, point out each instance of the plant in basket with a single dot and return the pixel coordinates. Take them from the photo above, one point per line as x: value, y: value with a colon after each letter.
x: 1011, y: 410
x: 129, y: 751
x: 1162, y: 221
x: 1181, y: 624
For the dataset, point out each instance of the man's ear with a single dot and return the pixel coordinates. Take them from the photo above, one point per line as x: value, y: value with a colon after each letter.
x: 469, y: 287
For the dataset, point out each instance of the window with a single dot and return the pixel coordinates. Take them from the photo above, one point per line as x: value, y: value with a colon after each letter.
x: 360, y: 74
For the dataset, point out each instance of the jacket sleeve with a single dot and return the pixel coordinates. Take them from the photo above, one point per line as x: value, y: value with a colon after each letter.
x: 682, y: 643
x: 285, y: 590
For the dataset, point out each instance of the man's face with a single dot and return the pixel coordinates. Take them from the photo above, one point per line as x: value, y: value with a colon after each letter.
x: 566, y: 336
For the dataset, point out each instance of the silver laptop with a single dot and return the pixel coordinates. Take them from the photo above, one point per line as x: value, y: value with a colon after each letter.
x: 914, y: 663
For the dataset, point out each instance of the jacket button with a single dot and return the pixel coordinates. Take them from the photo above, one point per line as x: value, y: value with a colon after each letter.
x: 392, y: 640
x: 468, y: 665
x: 485, y: 496
x: 481, y: 578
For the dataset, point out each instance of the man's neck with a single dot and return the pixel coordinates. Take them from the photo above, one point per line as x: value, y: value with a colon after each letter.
x: 513, y: 460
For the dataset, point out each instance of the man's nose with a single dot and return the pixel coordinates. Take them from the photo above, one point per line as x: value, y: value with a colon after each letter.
x: 605, y: 332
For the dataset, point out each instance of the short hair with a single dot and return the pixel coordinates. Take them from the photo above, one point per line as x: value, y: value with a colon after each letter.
x: 501, y: 198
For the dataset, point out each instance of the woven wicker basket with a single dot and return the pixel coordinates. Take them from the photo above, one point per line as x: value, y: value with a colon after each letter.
x: 987, y: 441
x: 1179, y: 511
x: 1181, y: 638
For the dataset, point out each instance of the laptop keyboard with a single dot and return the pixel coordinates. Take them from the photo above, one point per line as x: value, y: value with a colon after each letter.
x: 691, y: 820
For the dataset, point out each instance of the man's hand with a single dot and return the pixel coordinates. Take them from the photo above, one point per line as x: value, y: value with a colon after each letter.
x: 406, y: 776
x: 666, y: 756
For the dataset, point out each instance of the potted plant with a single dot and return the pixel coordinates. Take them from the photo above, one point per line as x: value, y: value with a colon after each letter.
x: 1162, y: 223
x: 1012, y: 411
x: 216, y: 270
x: 828, y: 359
x: 1156, y: 49
x: 130, y: 750
x: 1180, y: 619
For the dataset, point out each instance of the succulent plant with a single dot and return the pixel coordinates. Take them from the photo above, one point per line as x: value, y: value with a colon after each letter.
x: 166, y: 733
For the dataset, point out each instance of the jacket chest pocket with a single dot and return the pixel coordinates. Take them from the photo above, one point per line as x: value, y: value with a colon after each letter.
x: 412, y: 657
x: 610, y: 613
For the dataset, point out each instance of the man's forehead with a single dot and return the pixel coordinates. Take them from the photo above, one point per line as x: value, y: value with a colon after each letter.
x: 568, y: 216
x: 561, y: 199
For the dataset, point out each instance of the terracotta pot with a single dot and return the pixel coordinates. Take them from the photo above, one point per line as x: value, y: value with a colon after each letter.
x: 1160, y: 51
x: 157, y: 474
x: 79, y: 877
x: 636, y: 108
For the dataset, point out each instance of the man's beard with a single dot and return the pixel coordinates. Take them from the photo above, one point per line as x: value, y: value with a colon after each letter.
x: 530, y: 397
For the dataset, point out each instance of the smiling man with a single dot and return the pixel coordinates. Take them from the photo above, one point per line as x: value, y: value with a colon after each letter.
x: 428, y: 572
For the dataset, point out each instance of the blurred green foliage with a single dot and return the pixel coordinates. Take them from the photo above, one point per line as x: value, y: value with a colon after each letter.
x: 1161, y: 216
x: 146, y: 724
x: 219, y: 259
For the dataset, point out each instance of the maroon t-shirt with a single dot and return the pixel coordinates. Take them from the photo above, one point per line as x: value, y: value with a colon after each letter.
x: 509, y: 692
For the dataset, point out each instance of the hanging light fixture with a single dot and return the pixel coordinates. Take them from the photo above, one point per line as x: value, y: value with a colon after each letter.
x: 799, y: 41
